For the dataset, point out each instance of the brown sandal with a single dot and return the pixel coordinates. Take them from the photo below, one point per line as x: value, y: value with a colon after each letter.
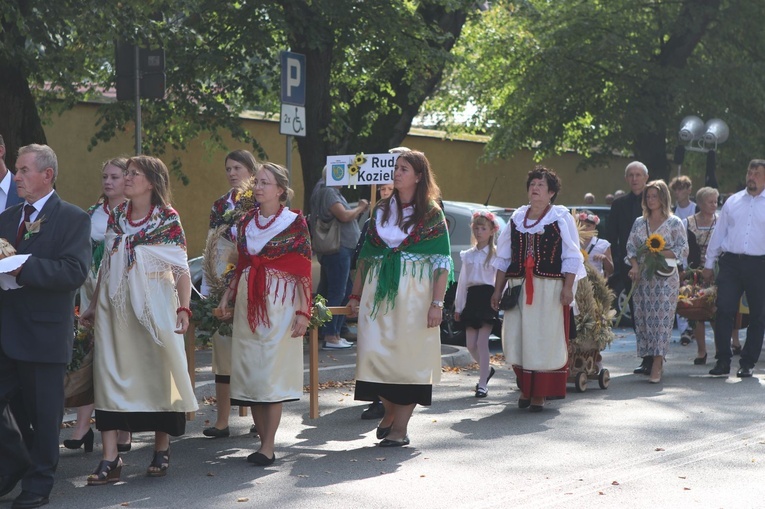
x: 159, y: 464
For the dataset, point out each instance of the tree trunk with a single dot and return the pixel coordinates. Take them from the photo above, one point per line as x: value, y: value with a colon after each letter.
x: 19, y: 121
x: 651, y: 150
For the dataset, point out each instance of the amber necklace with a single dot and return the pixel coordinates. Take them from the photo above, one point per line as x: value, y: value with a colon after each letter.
x: 270, y: 221
x: 142, y: 221
x: 532, y: 225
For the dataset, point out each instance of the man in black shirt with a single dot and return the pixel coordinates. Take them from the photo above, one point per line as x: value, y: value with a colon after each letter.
x: 624, y: 210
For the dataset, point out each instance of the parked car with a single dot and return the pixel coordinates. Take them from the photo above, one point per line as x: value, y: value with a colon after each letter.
x: 458, y: 217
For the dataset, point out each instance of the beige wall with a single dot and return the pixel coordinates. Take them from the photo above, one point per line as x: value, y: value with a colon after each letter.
x: 459, y: 171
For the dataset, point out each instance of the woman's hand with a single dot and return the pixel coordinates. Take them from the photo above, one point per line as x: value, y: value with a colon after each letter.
x: 495, y: 298
x: 353, y: 305
x: 87, y: 317
x: 224, y: 312
x: 181, y: 321
x: 456, y: 317
x: 299, y: 326
x: 566, y: 296
x: 597, y: 257
x: 435, y: 315
x: 634, y: 273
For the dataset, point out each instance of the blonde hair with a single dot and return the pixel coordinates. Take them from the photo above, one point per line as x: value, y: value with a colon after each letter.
x: 702, y: 193
x: 478, y: 218
x: 281, y: 175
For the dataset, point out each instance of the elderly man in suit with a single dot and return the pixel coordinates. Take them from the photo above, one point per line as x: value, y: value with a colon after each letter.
x: 36, y: 324
x: 8, y: 195
x: 624, y: 210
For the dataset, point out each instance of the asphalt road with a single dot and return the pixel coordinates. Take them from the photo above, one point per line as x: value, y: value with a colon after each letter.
x: 691, y: 441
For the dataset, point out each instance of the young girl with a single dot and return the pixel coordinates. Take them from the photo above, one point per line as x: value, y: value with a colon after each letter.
x: 474, y: 289
x: 598, y: 250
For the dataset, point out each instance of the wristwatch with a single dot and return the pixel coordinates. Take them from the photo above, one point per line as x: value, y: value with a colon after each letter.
x: 437, y: 304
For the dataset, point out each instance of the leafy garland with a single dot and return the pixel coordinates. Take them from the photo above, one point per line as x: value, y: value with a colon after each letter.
x: 82, y: 346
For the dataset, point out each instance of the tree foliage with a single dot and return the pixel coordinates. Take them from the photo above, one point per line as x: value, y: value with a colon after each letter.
x: 610, y: 76
x: 371, y: 64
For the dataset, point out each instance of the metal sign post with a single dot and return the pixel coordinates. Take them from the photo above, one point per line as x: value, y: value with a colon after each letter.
x: 292, y: 118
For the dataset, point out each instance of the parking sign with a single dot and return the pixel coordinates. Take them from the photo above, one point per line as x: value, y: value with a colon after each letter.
x: 293, y: 78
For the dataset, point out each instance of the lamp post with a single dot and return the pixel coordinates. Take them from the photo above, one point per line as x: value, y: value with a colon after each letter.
x: 698, y: 136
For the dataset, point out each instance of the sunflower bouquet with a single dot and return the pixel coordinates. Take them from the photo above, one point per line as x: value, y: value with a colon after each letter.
x: 654, y: 263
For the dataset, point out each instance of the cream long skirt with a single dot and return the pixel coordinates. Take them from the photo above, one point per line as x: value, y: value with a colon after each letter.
x: 533, y: 335
x: 266, y: 365
x: 132, y: 373
x: 397, y: 346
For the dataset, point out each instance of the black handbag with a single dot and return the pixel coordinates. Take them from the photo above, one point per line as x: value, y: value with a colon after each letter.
x: 510, y: 297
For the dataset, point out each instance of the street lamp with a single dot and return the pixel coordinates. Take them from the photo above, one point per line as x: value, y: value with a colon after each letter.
x: 698, y: 136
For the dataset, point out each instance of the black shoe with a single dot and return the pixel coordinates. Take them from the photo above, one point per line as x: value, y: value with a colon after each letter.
x: 29, y: 500
x: 645, y: 366
x: 87, y: 440
x: 481, y: 392
x: 375, y: 411
x: 214, y: 432
x: 744, y: 372
x: 387, y: 442
x: 383, y: 432
x: 700, y: 361
x: 524, y: 403
x: 260, y: 459
x: 253, y: 430
x: 8, y: 482
x: 124, y: 447
x: 721, y: 368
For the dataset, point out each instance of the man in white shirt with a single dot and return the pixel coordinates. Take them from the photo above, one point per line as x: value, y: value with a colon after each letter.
x: 738, y: 244
x: 8, y: 195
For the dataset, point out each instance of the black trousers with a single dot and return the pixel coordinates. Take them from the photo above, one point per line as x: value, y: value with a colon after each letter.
x: 739, y: 274
x: 39, y: 415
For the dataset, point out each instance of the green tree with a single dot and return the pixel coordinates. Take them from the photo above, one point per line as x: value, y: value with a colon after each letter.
x: 611, y: 76
x: 370, y: 66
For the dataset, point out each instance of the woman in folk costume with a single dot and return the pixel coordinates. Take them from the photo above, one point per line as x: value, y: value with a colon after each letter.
x: 141, y: 313
x: 539, y: 249
x: 272, y: 285
x: 220, y: 250
x: 113, y: 194
x: 398, y: 293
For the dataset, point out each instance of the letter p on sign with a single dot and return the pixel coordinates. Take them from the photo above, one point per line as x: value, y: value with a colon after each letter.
x: 293, y: 78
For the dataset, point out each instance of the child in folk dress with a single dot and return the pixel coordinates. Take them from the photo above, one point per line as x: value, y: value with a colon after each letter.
x: 472, y: 304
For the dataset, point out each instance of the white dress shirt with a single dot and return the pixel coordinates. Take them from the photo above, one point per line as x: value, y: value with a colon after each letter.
x: 475, y: 271
x: 740, y: 228
x: 38, y: 205
x: 5, y: 188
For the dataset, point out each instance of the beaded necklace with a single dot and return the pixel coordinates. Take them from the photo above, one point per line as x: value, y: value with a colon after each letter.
x: 270, y: 222
x: 142, y: 221
x: 532, y: 225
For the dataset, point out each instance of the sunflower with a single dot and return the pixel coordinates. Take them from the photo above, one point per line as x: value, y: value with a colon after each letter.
x: 655, y: 243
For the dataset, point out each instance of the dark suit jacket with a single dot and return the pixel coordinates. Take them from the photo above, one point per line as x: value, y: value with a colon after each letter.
x: 37, y: 320
x: 624, y: 210
x: 13, y: 197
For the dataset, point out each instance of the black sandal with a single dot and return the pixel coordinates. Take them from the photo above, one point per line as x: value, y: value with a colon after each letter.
x: 161, y: 462
x: 106, y: 472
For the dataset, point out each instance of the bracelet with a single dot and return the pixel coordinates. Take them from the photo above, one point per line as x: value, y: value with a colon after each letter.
x: 303, y: 313
x: 187, y: 310
x: 355, y: 297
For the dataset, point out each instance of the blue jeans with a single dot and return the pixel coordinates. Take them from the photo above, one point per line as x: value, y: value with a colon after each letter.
x: 336, y: 269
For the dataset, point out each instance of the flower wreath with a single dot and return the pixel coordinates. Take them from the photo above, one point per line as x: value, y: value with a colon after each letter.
x: 486, y: 215
x: 590, y: 218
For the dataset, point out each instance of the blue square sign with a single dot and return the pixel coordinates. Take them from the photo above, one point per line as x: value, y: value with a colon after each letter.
x: 293, y: 78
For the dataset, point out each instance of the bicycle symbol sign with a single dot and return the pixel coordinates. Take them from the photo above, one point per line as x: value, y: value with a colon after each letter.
x: 292, y: 121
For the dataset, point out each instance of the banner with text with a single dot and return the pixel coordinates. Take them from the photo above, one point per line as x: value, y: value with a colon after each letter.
x: 360, y: 169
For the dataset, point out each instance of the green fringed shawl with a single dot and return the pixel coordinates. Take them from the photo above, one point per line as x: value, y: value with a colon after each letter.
x: 427, y: 241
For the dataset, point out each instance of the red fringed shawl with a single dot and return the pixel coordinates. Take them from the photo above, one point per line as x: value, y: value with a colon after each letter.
x: 286, y: 258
